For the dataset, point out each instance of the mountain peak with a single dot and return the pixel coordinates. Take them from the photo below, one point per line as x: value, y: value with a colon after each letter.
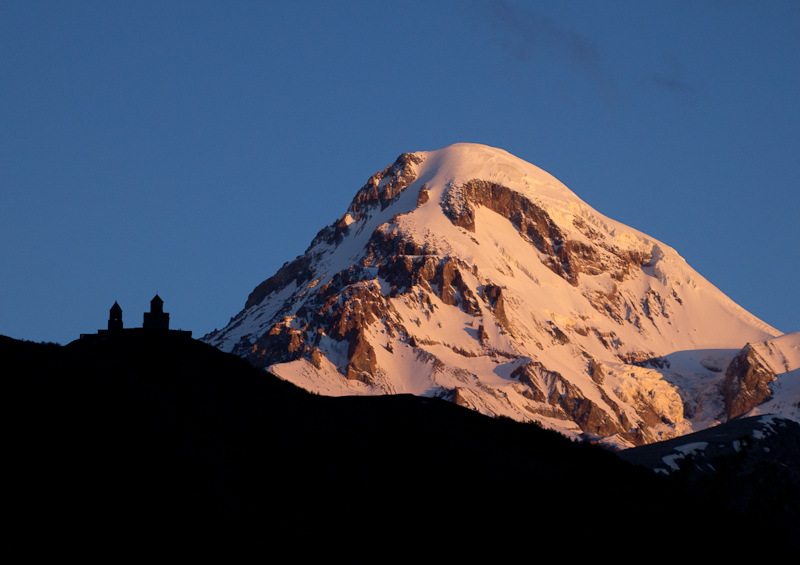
x: 462, y: 162
x: 469, y: 274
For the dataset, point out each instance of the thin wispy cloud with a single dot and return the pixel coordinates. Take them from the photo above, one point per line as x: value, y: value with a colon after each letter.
x: 674, y: 84
x: 532, y: 37
x: 673, y: 79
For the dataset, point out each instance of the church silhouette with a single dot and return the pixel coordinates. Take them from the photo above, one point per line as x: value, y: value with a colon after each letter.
x: 154, y: 320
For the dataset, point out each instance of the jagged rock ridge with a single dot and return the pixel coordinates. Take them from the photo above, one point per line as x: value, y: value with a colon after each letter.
x: 469, y: 274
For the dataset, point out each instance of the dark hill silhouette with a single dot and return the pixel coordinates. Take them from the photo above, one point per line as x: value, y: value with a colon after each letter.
x: 150, y: 437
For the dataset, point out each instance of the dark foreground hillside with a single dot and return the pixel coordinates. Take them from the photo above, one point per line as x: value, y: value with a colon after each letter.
x: 150, y: 440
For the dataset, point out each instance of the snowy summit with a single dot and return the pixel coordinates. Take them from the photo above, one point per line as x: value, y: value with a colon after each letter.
x: 469, y: 274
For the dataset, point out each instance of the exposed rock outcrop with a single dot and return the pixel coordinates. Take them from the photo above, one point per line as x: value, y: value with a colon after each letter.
x: 423, y: 195
x: 383, y: 187
x: 565, y: 257
x: 494, y: 295
x: 746, y: 384
x: 572, y: 404
x: 297, y: 271
x: 363, y: 365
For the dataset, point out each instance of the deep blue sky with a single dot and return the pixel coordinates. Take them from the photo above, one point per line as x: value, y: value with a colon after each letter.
x: 191, y: 148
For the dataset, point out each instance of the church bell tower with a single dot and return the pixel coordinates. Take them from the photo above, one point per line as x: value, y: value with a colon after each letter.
x: 115, y: 318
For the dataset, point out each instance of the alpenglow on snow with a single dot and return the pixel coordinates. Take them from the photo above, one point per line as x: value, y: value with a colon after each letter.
x: 469, y: 274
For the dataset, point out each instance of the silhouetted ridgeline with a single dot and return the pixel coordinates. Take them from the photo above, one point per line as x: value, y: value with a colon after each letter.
x: 147, y: 437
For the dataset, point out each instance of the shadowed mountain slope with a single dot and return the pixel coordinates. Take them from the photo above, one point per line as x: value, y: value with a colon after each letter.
x: 150, y: 438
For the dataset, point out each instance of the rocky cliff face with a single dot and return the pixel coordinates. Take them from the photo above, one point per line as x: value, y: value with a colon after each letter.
x: 468, y: 274
x: 763, y: 377
x: 747, y: 381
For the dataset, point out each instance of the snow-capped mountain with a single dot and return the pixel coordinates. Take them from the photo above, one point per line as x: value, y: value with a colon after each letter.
x: 469, y: 274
